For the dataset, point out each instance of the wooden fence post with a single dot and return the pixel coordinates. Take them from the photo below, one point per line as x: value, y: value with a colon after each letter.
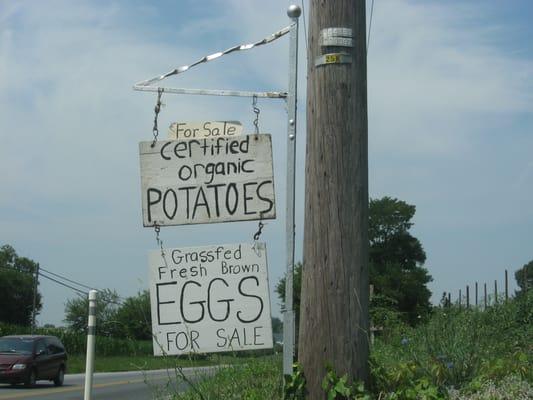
x: 506, y: 286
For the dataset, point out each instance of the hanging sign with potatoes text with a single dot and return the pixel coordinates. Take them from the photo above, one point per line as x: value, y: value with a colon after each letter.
x: 207, y: 180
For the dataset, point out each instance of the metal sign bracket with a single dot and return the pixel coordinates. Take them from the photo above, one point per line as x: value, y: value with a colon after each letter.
x: 151, y: 85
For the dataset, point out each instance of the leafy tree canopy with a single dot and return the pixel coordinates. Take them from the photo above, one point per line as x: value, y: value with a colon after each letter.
x: 77, y: 312
x: 134, y: 317
x: 524, y: 277
x: 297, y: 289
x: 396, y: 258
x: 128, y: 318
x: 277, y: 325
x: 389, y: 221
x: 16, y: 287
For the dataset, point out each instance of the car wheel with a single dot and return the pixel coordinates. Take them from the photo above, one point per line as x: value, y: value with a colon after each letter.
x: 60, y: 377
x: 31, y: 378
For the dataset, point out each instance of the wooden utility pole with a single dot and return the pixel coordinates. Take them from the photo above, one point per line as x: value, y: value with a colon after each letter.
x: 34, y: 303
x: 334, y: 325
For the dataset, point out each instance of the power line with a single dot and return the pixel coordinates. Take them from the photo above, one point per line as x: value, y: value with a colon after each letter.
x: 63, y: 284
x: 47, y: 277
x: 82, y: 293
x: 54, y: 274
x: 66, y: 279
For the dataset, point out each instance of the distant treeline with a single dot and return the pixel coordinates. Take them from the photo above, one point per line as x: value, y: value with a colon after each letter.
x: 76, y: 343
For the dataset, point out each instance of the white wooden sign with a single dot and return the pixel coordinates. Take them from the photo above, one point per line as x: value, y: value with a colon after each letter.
x: 210, y: 299
x: 198, y: 181
x: 207, y: 129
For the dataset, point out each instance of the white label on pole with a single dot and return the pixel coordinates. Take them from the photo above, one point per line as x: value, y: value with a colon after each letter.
x: 210, y: 299
x: 208, y: 129
x: 199, y: 181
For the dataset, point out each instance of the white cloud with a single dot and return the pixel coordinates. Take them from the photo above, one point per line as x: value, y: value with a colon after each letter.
x: 433, y: 72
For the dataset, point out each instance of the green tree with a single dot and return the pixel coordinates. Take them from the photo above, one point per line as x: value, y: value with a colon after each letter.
x: 524, y: 277
x: 16, y: 287
x: 396, y: 258
x: 107, y: 304
x: 277, y: 325
x: 133, y: 318
x: 297, y: 289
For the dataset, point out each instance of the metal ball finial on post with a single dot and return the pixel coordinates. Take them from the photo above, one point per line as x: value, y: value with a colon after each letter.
x: 294, y: 11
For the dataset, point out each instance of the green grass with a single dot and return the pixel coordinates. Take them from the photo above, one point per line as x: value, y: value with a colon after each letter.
x: 76, y: 363
x: 255, y: 379
x: 458, y: 354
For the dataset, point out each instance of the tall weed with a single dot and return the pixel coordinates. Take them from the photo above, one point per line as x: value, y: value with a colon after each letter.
x: 457, y: 346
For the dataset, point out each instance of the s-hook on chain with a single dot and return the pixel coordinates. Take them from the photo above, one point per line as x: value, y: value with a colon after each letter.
x: 260, y: 227
x: 157, y: 229
x: 257, y: 111
x: 157, y: 109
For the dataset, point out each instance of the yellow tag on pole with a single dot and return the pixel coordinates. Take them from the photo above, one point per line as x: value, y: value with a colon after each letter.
x: 333, y: 58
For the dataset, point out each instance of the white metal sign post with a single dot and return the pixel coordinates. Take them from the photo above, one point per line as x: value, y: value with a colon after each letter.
x: 91, y: 333
x: 210, y: 299
x: 149, y: 85
x: 288, y: 318
x: 207, y: 180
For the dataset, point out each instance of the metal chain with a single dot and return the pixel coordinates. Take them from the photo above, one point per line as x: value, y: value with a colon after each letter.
x: 157, y: 109
x: 260, y: 227
x: 157, y: 229
x: 257, y: 111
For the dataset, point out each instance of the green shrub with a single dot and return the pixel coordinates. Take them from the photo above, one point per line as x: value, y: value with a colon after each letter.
x: 257, y: 379
x: 457, y: 347
x: 76, y: 343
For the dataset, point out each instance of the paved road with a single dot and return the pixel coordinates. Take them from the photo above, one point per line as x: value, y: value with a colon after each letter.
x: 137, y: 385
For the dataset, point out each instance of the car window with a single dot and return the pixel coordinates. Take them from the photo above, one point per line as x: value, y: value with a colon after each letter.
x: 16, y: 345
x: 40, y: 347
x: 54, y: 346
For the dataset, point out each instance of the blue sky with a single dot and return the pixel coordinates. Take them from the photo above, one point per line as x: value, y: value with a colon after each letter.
x: 450, y: 129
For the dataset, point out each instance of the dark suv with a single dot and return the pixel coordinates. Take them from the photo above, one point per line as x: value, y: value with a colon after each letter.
x: 28, y: 358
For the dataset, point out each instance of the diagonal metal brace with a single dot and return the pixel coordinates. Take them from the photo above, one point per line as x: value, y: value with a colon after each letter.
x: 148, y: 85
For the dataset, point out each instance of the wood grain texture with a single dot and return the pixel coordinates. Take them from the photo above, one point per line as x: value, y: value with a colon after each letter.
x: 334, y: 325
